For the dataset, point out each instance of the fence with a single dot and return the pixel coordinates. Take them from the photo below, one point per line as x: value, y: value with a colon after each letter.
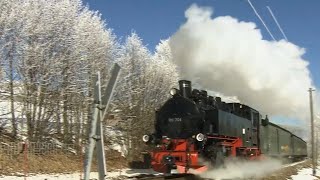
x: 12, y: 149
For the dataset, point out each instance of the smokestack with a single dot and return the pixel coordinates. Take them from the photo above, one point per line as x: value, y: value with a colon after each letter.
x: 218, y: 101
x: 185, y: 88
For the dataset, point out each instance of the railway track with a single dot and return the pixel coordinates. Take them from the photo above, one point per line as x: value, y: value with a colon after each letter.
x: 192, y: 176
x: 172, y: 177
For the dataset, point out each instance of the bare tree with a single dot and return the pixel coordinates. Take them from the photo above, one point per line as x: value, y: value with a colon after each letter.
x: 56, y: 48
x: 59, y: 44
x: 144, y: 85
x: 10, y: 47
x: 97, y: 49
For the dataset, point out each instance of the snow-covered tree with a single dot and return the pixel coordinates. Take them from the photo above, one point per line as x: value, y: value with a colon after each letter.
x: 129, y: 95
x: 163, y: 72
x: 97, y: 49
x: 161, y: 76
x: 55, y: 46
x: 144, y: 85
x: 10, y: 49
x: 133, y: 60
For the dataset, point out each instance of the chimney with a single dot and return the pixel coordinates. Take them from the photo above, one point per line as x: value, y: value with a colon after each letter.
x: 185, y: 88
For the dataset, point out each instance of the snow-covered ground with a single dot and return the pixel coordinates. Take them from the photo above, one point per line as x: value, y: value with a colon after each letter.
x: 306, y: 174
x: 76, y: 176
x: 303, y: 174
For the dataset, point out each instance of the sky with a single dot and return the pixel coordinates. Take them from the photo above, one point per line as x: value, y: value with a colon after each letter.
x: 155, y: 20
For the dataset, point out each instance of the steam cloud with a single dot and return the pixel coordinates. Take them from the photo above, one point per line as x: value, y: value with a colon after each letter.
x: 229, y: 56
x: 244, y: 169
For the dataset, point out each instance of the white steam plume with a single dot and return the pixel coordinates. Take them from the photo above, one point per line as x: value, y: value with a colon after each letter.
x: 229, y: 56
x: 243, y: 169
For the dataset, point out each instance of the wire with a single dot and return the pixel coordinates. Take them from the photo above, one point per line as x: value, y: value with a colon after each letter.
x: 264, y: 24
x: 275, y: 19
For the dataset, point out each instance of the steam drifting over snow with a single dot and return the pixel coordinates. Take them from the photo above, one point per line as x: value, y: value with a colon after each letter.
x: 229, y: 56
x: 244, y: 169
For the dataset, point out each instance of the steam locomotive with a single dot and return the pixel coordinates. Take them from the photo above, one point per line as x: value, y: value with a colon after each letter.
x: 192, y: 127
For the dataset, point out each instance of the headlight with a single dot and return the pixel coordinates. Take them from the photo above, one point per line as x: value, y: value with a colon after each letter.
x: 200, y: 137
x: 173, y: 91
x: 169, y: 160
x: 145, y: 138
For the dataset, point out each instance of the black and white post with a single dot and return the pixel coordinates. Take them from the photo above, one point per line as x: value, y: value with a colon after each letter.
x: 313, y: 155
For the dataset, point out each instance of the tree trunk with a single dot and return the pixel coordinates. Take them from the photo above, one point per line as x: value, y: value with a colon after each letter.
x: 39, y: 129
x: 78, y: 126
x: 11, y: 89
x: 65, y: 119
x: 27, y: 109
x: 58, y: 119
x: 88, y: 106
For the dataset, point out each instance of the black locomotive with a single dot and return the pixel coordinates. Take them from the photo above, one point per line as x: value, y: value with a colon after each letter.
x: 192, y: 125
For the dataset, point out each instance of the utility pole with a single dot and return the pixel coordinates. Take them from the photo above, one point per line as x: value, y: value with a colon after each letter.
x: 317, y: 126
x: 312, y: 134
x: 317, y: 144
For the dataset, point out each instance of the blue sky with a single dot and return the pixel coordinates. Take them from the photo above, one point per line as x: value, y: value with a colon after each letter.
x: 155, y: 20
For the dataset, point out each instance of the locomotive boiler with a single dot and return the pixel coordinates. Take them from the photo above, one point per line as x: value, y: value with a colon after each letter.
x: 192, y: 128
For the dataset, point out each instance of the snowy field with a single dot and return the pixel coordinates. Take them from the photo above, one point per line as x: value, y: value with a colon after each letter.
x: 303, y: 174
x: 77, y: 176
x: 306, y: 174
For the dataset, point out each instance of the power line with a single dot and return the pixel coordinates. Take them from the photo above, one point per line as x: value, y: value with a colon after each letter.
x: 264, y: 24
x: 275, y: 19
